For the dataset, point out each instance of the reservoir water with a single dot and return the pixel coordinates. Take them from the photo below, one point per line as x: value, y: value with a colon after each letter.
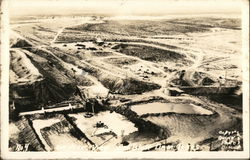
x: 158, y: 107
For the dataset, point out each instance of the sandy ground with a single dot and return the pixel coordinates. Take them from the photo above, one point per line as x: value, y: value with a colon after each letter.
x: 39, y: 124
x: 22, y: 69
x: 65, y: 142
x: 115, y: 123
x: 194, y: 129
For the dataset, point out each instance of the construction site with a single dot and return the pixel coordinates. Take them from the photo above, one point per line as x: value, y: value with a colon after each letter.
x: 103, y: 84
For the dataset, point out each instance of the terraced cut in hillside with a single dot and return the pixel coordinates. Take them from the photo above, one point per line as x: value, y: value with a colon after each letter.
x: 103, y: 84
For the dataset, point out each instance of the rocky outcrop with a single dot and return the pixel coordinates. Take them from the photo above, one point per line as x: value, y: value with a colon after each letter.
x: 40, y: 93
x: 20, y: 43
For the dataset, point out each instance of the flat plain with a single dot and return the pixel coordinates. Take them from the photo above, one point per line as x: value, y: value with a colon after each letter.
x: 105, y: 84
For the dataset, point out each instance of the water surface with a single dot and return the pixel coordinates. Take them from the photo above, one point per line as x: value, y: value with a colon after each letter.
x: 158, y: 107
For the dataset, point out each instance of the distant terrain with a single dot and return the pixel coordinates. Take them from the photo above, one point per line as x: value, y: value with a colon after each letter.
x: 69, y: 76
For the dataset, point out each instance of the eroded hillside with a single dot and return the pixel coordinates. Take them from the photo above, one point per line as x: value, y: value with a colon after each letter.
x: 156, y: 78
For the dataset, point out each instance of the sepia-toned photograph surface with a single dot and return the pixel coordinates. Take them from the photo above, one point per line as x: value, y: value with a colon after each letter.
x: 147, y: 78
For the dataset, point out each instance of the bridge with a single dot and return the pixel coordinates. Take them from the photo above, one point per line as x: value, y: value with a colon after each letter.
x: 69, y: 107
